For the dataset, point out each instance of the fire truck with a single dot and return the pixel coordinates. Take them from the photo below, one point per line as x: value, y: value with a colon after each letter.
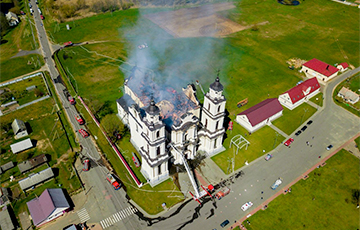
x: 113, y: 181
x: 69, y: 97
x: 79, y: 119
x: 223, y: 192
x: 69, y: 43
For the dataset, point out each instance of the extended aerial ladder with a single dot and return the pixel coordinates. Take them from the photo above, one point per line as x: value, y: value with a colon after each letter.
x: 198, y: 194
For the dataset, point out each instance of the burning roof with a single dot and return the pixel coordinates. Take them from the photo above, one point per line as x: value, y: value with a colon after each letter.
x: 172, y: 104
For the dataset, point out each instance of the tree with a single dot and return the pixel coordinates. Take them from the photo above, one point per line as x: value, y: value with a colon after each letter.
x: 112, y: 126
x: 355, y: 196
x: 4, y: 25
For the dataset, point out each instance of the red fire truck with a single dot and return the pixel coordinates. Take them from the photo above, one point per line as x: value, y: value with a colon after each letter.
x: 79, y: 119
x: 223, y: 192
x: 113, y: 181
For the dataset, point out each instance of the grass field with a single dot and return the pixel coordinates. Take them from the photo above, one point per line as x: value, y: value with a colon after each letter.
x: 254, y: 151
x: 323, y: 201
x: 19, y: 92
x: 293, y: 119
x: 318, y: 99
x: 17, y: 39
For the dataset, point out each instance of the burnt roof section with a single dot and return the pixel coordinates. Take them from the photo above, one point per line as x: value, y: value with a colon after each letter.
x: 125, y: 102
x: 217, y: 86
x: 153, y: 109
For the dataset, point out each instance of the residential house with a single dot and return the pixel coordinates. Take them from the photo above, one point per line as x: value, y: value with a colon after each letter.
x: 300, y: 93
x: 19, y: 128
x: 6, y: 166
x: 32, y: 163
x: 260, y: 115
x: 7, y: 219
x: 21, y: 146
x: 12, y: 18
x: 348, y: 95
x: 35, y: 179
x: 4, y: 196
x: 343, y: 66
x: 50, y: 205
x: 321, y: 70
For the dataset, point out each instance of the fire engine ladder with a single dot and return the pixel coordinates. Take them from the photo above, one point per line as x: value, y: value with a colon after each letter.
x: 197, y: 193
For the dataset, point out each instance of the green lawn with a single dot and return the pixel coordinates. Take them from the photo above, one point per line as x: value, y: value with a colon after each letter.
x: 357, y: 141
x: 292, y: 119
x: 318, y: 99
x: 352, y: 84
x: 254, y: 151
x: 19, y: 92
x: 323, y: 201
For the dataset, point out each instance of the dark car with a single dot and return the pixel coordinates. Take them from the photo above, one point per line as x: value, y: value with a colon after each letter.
x: 304, y: 128
x: 329, y: 147
x: 298, y: 133
x: 309, y: 122
x: 223, y: 224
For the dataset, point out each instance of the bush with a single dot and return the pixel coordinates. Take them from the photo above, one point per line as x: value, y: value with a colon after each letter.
x: 15, y: 10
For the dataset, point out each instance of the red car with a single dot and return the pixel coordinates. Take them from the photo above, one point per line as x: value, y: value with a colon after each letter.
x: 83, y: 133
x: 42, y: 17
x: 69, y: 43
x: 86, y: 165
x: 288, y: 142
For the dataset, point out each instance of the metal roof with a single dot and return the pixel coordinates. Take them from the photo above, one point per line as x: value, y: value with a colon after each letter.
x: 5, y: 220
x: 35, y: 179
x: 21, y: 146
x: 32, y: 163
x: 7, y: 166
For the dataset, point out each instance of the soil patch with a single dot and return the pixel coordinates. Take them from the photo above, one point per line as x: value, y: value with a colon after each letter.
x: 197, y: 22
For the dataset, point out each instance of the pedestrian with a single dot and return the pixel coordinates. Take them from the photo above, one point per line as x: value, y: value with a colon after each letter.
x: 312, y: 137
x: 262, y: 198
x: 262, y: 192
x: 310, y: 145
x: 319, y: 156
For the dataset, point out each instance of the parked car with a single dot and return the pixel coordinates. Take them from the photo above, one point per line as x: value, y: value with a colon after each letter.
x: 268, y: 156
x: 42, y: 17
x: 22, y: 12
x: 309, y: 122
x: 329, y: 147
x: 276, y: 183
x: 86, y: 165
x: 83, y: 133
x: 298, y: 133
x: 246, y: 206
x: 223, y: 224
x: 304, y: 128
x: 288, y: 142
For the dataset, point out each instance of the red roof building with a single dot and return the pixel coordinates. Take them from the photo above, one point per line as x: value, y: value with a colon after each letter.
x: 300, y: 93
x: 321, y: 70
x: 260, y: 115
x: 342, y: 66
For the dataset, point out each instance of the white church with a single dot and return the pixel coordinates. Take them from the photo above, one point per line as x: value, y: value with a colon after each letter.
x: 167, y: 126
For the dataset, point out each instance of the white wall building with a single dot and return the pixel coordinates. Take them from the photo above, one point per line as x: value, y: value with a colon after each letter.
x: 170, y: 117
x: 260, y: 115
x: 300, y: 93
x: 322, y: 71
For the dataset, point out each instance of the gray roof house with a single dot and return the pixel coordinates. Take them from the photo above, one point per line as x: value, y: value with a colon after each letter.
x: 6, y: 166
x: 4, y: 196
x: 348, y: 95
x: 36, y: 179
x: 6, y: 222
x: 19, y: 128
x: 21, y: 146
x: 32, y: 163
x: 12, y: 18
x: 49, y: 205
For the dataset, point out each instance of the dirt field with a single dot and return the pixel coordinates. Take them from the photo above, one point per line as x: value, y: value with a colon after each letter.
x: 197, y: 22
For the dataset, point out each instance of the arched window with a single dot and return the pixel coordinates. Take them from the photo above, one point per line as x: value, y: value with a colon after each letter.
x: 215, y: 143
x: 158, y: 134
x: 209, y: 106
x: 217, y: 125
x: 219, y: 108
x: 205, y: 123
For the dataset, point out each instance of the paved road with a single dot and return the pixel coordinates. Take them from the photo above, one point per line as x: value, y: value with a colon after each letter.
x: 102, y: 201
x: 331, y: 125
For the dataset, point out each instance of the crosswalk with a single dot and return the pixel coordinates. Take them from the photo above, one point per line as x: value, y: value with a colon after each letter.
x: 117, y: 217
x: 83, y: 215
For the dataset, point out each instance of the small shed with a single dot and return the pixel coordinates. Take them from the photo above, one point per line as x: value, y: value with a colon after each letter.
x: 21, y: 146
x: 19, y: 128
x: 7, y: 166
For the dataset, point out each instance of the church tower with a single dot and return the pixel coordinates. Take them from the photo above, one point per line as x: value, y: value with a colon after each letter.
x: 155, y: 157
x: 212, y: 120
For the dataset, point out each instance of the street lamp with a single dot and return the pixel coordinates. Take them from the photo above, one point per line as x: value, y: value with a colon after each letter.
x: 305, y: 110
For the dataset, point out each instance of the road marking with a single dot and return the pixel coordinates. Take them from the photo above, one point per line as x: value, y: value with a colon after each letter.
x: 109, y: 221
x: 83, y: 215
